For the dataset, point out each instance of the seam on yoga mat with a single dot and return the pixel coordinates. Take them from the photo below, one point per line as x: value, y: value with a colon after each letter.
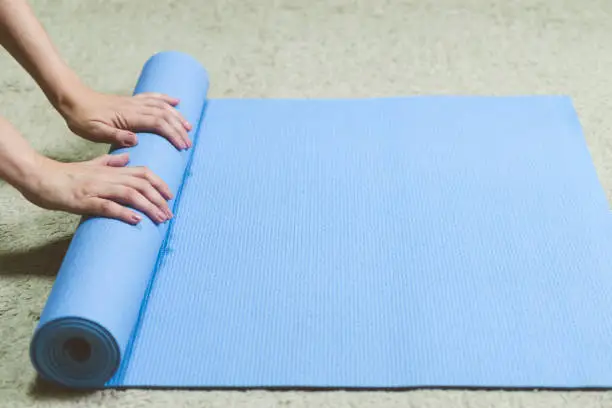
x: 124, y: 364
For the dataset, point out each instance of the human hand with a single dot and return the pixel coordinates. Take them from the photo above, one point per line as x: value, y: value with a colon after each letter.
x: 113, y: 119
x: 100, y: 187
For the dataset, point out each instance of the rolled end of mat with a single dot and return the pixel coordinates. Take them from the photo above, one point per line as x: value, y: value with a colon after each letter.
x: 94, y: 307
x: 75, y: 353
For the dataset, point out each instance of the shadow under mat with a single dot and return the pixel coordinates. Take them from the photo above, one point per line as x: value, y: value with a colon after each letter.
x: 44, y: 390
x: 41, y: 261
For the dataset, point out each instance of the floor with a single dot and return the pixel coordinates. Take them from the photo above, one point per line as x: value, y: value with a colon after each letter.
x: 290, y: 48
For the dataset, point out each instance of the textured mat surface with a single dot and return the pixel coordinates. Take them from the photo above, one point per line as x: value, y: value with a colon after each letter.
x: 389, y: 242
x: 290, y: 48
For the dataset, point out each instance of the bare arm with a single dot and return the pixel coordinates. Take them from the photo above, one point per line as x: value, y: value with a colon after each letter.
x: 17, y: 158
x: 103, y: 186
x: 26, y: 40
x: 92, y: 115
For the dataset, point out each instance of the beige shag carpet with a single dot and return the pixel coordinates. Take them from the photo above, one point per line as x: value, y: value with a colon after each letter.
x: 290, y: 48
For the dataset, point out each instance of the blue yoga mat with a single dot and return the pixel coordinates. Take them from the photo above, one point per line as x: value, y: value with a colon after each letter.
x: 367, y: 243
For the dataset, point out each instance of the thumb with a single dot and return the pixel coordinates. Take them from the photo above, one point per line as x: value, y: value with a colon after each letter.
x: 119, y: 137
x: 112, y: 160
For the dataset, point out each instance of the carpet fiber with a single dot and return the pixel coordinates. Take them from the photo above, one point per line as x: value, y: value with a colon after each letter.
x: 295, y: 48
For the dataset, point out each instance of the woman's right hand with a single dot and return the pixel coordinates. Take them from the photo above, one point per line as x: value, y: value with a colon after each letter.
x: 99, y: 187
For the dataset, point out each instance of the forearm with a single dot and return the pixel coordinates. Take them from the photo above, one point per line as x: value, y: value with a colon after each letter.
x: 18, y: 160
x: 26, y: 40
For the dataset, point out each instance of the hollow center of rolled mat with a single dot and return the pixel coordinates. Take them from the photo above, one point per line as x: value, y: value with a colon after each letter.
x: 78, y: 349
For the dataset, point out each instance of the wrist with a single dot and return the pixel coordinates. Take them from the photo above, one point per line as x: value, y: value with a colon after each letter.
x: 25, y: 172
x: 66, y: 94
x: 20, y: 165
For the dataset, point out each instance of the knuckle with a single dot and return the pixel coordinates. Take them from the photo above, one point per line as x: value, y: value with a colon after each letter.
x: 141, y: 184
x: 140, y: 171
x: 146, y: 173
x: 157, y: 198
x: 146, y: 189
x: 131, y: 194
x: 150, y: 210
x: 168, y: 115
x: 107, y: 207
x: 159, y: 122
x: 81, y: 193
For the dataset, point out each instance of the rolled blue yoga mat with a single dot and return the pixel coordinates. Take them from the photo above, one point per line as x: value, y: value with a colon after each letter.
x: 345, y: 243
x: 100, y: 289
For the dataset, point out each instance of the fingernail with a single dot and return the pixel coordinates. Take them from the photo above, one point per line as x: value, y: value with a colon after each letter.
x: 130, y: 140
x: 169, y: 214
x: 161, y: 216
x: 188, y: 125
x: 136, y: 218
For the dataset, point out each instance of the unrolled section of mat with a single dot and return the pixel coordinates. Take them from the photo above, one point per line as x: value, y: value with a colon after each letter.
x: 87, y: 324
x: 444, y: 241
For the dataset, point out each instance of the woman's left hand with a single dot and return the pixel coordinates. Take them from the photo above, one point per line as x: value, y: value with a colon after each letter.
x: 115, y: 119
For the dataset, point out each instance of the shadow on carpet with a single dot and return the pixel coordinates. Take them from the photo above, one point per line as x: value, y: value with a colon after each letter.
x: 46, y: 391
x: 41, y: 261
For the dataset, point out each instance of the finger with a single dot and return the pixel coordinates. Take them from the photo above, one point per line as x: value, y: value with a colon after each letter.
x: 177, y: 123
x: 149, y: 192
x: 155, y: 123
x: 125, y: 138
x: 110, y: 209
x: 166, y: 98
x: 112, y: 160
x: 119, y: 137
x: 170, y: 115
x: 152, y: 178
x: 129, y: 196
x: 156, y: 103
x: 118, y: 160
